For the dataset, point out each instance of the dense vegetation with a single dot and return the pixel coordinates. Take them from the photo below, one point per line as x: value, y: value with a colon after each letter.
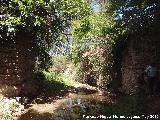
x: 101, y: 37
x: 97, y: 37
x: 90, y: 39
x: 44, y: 20
x: 92, y: 32
x: 75, y: 41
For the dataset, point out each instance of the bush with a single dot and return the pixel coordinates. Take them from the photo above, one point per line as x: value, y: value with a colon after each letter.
x: 60, y: 63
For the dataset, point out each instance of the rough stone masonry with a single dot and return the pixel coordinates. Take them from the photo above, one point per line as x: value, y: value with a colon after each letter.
x: 139, y: 53
x: 16, y: 63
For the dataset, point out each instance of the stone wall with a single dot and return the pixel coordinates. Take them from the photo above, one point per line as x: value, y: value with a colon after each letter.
x: 138, y: 54
x: 16, y: 63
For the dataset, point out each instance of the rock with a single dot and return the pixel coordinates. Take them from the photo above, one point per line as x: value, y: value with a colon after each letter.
x: 10, y: 91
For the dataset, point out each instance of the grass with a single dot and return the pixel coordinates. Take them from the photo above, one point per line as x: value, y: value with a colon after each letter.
x: 56, y: 83
x: 53, y: 77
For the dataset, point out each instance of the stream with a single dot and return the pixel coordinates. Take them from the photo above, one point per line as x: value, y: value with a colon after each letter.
x: 82, y: 106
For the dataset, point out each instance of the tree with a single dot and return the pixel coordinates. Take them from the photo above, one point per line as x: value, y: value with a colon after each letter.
x: 109, y: 29
x: 139, y: 15
x: 44, y: 19
x: 93, y: 38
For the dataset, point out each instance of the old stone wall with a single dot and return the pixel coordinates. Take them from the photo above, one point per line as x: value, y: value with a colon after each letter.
x: 139, y: 53
x: 16, y: 63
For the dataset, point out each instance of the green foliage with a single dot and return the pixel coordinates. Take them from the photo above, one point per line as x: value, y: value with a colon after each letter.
x: 45, y: 20
x: 90, y: 32
x: 74, y: 9
x: 139, y: 16
x: 60, y: 63
x: 102, y: 36
x: 94, y: 37
x: 56, y: 82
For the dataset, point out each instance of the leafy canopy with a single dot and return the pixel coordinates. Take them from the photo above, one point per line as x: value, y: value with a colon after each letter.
x: 47, y: 18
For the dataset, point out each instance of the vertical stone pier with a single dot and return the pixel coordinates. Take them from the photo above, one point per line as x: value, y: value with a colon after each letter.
x: 139, y: 52
x: 16, y: 64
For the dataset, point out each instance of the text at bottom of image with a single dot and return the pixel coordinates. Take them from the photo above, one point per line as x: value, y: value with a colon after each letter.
x: 121, y: 117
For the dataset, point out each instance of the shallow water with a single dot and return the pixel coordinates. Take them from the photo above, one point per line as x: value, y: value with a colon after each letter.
x: 77, y: 106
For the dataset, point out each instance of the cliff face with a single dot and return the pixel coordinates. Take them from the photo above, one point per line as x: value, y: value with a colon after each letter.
x: 139, y: 53
x: 16, y: 64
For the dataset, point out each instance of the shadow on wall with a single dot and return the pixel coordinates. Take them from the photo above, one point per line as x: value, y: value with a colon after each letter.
x: 140, y: 51
x: 16, y: 62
